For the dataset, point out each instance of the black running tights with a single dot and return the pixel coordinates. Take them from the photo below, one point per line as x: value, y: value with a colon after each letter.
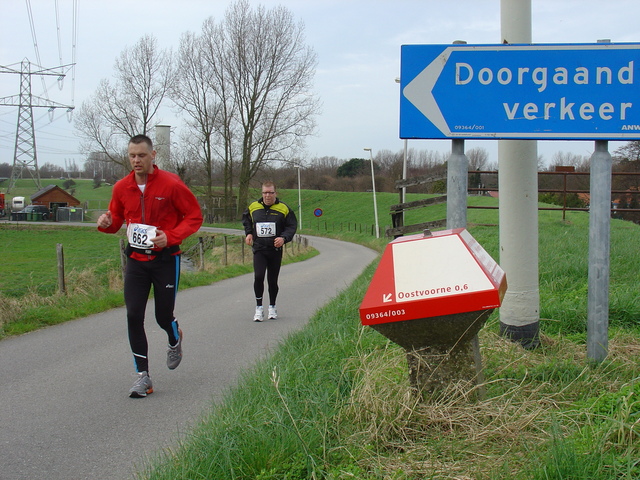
x: 267, y: 262
x: 163, y: 273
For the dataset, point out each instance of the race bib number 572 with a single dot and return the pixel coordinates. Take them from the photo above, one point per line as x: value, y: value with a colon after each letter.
x: 266, y: 229
x: 140, y: 235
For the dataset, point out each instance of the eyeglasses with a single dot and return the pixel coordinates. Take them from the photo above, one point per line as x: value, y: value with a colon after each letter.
x: 268, y: 193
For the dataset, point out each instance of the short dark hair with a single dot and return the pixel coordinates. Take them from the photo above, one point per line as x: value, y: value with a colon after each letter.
x: 269, y: 183
x: 137, y: 139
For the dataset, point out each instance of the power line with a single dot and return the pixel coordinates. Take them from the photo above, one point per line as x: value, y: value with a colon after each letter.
x: 32, y: 24
x: 25, y: 154
x: 58, y: 33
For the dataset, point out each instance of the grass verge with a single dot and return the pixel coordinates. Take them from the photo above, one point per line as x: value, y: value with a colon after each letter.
x: 29, y: 290
x: 334, y: 402
x: 347, y: 410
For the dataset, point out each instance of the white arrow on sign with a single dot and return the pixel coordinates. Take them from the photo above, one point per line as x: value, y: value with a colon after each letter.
x: 388, y: 297
x: 419, y: 92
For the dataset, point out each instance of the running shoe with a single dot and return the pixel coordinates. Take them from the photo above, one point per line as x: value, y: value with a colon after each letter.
x: 273, y: 314
x: 142, y: 386
x: 259, y: 315
x: 174, y: 354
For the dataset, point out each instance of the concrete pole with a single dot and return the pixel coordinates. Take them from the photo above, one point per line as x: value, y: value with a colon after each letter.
x: 518, y: 186
x: 457, y: 185
x: 599, y: 246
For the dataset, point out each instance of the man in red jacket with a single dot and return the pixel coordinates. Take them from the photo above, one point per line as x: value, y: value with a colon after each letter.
x: 160, y: 212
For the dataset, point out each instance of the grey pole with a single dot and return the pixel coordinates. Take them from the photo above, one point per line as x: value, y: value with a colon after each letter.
x: 457, y: 181
x: 457, y: 185
x: 599, y: 246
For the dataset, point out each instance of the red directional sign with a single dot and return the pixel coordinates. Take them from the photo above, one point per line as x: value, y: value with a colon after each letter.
x: 426, y: 276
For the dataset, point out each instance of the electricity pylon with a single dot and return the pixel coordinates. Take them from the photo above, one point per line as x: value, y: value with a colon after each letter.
x: 25, y: 154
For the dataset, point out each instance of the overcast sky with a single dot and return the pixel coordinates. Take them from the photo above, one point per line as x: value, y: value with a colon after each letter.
x: 357, y: 43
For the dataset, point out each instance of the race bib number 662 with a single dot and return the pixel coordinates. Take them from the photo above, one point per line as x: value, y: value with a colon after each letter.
x: 139, y: 235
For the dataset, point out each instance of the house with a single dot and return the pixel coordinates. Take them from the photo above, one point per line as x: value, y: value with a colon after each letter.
x: 54, y: 197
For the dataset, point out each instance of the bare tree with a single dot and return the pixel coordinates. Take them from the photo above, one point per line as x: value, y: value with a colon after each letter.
x: 478, y: 158
x: 270, y: 70
x: 629, y: 152
x: 218, y: 53
x: 627, y: 159
x: 195, y: 95
x: 568, y: 159
x: 128, y: 106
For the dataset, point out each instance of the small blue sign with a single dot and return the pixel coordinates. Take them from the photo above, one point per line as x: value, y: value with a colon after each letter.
x: 317, y: 212
x: 537, y: 92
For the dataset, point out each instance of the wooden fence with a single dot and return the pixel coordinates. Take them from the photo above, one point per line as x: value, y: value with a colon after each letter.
x: 194, y: 254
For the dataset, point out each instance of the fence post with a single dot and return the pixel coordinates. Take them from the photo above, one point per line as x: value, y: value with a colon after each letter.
x: 60, y: 254
x: 201, y: 252
x: 224, y: 250
x: 123, y: 256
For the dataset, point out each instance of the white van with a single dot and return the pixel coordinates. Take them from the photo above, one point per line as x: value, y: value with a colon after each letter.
x: 17, y: 204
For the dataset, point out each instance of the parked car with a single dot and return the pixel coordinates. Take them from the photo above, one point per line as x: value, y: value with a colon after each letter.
x: 36, y: 209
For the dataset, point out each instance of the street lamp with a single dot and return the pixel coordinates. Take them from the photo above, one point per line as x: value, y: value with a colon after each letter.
x: 373, y: 183
x: 295, y: 165
x: 299, y: 198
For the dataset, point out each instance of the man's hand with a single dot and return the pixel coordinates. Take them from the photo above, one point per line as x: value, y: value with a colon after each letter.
x: 105, y: 220
x: 248, y: 239
x: 278, y: 242
x: 160, y: 240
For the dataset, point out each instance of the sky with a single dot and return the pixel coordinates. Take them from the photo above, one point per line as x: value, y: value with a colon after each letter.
x: 357, y: 43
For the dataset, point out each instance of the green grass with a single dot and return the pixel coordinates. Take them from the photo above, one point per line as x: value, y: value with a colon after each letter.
x: 32, y: 265
x: 347, y: 410
x: 334, y: 402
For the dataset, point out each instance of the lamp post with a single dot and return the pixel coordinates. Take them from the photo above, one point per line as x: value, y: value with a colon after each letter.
x: 299, y: 198
x: 373, y: 183
x: 295, y: 165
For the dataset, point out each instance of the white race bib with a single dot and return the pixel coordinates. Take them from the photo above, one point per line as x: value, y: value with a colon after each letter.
x: 139, y: 235
x: 266, y: 229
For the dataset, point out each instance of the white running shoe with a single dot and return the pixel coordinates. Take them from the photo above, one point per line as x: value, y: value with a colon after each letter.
x: 259, y: 315
x: 273, y: 314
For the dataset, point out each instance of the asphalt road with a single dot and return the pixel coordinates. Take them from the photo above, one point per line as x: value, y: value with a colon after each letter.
x: 65, y: 412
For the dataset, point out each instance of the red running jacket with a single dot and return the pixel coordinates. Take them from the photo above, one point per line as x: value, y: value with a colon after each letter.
x: 167, y: 203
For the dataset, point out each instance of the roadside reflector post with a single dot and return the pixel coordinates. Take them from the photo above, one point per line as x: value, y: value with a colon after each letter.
x: 431, y: 294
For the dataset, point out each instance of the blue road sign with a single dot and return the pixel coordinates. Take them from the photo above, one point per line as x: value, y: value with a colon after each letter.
x: 543, y: 92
